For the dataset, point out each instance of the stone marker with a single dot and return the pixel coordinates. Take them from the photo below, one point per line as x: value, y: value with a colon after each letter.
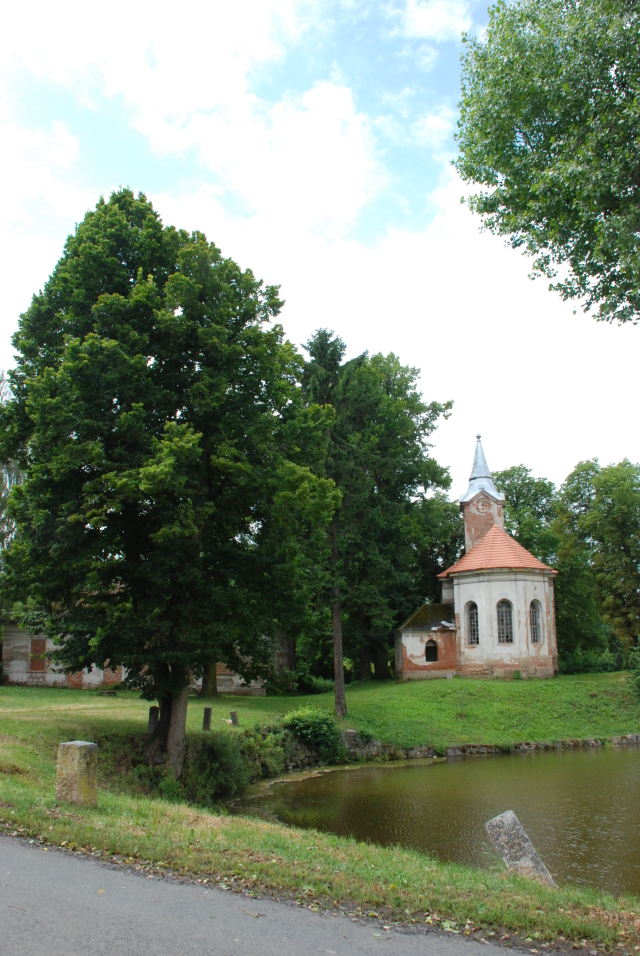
x: 234, y: 718
x: 77, y: 772
x: 206, y: 719
x: 154, y: 717
x: 514, y: 846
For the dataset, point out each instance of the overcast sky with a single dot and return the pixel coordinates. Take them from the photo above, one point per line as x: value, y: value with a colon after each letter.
x: 311, y: 141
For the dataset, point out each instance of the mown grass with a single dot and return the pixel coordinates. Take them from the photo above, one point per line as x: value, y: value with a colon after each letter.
x: 441, y: 713
x: 318, y: 869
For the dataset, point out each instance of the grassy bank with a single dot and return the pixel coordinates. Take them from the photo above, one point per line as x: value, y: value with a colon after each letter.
x: 316, y: 869
x: 441, y: 713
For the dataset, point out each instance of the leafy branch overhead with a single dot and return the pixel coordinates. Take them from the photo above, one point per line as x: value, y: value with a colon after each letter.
x: 550, y: 126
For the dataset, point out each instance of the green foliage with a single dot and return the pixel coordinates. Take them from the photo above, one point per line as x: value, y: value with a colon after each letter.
x: 634, y: 668
x: 438, y: 540
x: 549, y: 119
x: 319, y: 729
x: 168, y: 515
x: 216, y: 769
x: 378, y: 456
x: 530, y: 510
x: 516, y: 675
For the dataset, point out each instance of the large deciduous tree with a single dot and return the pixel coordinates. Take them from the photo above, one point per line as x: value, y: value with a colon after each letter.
x: 167, y: 518
x: 549, y: 125
x: 378, y: 456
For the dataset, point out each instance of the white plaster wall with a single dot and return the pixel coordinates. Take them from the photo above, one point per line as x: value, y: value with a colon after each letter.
x: 486, y: 589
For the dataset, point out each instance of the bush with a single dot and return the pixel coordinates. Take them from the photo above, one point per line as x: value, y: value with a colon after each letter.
x: 215, y: 768
x: 516, y: 675
x: 319, y: 729
x: 265, y: 751
x: 633, y: 663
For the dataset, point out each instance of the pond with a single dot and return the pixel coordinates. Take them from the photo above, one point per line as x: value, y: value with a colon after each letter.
x: 581, y: 808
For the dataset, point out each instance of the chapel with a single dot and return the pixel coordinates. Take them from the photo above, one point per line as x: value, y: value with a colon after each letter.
x: 497, y: 614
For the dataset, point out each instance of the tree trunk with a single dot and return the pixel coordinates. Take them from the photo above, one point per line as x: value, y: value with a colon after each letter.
x: 209, y: 682
x: 380, y: 663
x: 176, y: 738
x: 336, y: 612
x: 167, y: 744
x: 364, y: 671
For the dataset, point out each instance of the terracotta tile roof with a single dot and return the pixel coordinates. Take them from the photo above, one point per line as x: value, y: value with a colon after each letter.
x: 497, y: 550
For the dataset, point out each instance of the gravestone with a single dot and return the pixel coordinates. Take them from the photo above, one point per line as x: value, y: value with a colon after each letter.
x: 154, y: 717
x: 234, y: 718
x: 77, y: 772
x: 518, y: 853
x: 206, y: 719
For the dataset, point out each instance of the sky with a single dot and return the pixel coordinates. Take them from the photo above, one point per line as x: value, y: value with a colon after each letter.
x: 312, y: 141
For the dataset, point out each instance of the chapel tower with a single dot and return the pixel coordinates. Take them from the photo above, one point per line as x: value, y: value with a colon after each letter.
x: 483, y: 505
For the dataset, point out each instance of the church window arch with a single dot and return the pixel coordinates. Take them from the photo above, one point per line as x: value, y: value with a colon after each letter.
x: 431, y: 652
x: 473, y: 631
x: 535, y: 622
x: 505, y: 622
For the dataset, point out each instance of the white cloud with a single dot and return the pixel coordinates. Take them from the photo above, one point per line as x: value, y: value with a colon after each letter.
x: 447, y: 299
x: 437, y: 19
x: 459, y: 305
x: 39, y: 202
x: 308, y: 159
x: 434, y: 129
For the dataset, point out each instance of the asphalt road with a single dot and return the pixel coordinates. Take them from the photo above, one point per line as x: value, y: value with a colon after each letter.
x: 57, y: 904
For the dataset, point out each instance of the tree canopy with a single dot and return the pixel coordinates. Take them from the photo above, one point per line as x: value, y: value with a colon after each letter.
x: 589, y: 531
x: 168, y: 515
x: 549, y: 124
x: 378, y: 457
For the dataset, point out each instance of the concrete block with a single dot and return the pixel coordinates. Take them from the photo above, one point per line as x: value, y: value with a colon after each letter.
x: 234, y: 718
x: 516, y: 849
x: 77, y: 772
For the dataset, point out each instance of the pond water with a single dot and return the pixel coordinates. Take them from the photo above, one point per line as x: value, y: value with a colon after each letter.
x: 581, y: 808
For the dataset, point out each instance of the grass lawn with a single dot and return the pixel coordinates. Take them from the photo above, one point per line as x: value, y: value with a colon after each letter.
x: 313, y: 868
x: 438, y: 712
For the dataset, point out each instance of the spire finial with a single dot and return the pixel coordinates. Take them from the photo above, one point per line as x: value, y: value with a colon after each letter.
x: 478, y: 437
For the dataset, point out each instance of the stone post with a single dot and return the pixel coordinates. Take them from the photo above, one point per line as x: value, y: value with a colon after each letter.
x: 77, y: 772
x: 234, y: 718
x: 518, y: 853
x: 154, y: 717
x: 206, y: 719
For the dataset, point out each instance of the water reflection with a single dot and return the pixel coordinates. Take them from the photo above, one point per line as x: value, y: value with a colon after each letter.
x: 581, y: 809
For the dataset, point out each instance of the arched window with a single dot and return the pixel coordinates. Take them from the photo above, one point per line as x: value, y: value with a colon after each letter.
x: 535, y: 622
x: 505, y: 623
x: 473, y: 634
x: 431, y: 652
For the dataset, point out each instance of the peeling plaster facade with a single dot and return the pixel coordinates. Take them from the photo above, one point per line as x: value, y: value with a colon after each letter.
x: 25, y: 661
x: 468, y: 628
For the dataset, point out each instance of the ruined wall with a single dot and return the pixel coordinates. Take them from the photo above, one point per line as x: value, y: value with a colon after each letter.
x: 480, y: 514
x: 24, y: 661
x: 411, y: 663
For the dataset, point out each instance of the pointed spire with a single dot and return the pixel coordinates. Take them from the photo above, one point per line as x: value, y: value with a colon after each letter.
x: 480, y: 478
x: 480, y: 467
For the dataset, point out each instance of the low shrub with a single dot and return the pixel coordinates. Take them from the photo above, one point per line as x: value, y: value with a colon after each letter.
x: 633, y: 663
x: 516, y: 675
x: 215, y: 768
x: 319, y: 729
